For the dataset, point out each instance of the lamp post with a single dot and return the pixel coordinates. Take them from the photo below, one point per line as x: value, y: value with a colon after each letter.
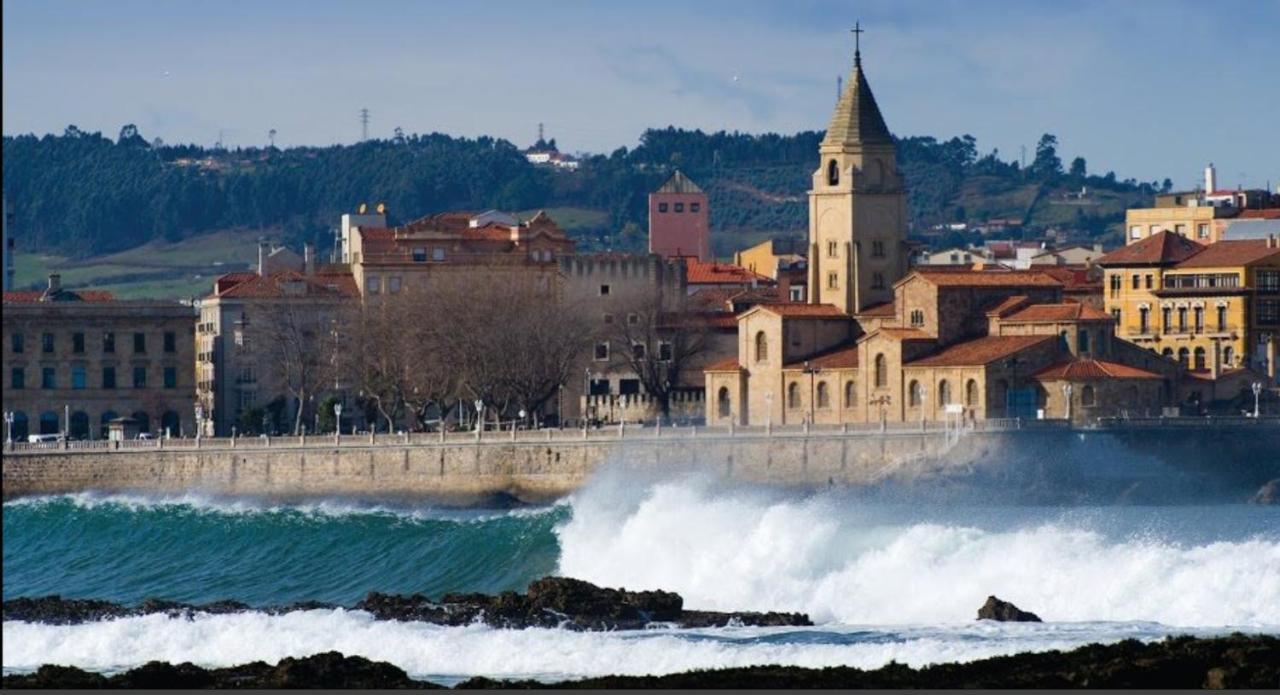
x: 8, y: 428
x: 523, y: 414
x: 1067, y: 389
x: 1257, y: 394
x: 812, y: 372
x: 337, y: 422
x: 768, y: 412
x: 560, y: 407
x: 199, y: 420
x: 921, y: 392
x: 479, y: 404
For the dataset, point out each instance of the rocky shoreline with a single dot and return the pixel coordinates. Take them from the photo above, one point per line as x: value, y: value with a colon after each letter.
x: 1235, y: 661
x: 550, y: 602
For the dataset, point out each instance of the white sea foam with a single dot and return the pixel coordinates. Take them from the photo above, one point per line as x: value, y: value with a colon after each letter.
x: 454, y: 652
x: 737, y: 550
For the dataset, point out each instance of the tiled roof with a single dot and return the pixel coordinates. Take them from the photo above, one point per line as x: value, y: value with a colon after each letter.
x: 728, y: 364
x: 905, y: 333
x: 988, y: 278
x: 1231, y: 253
x: 802, y: 310
x: 1073, y: 277
x: 254, y: 286
x: 1263, y: 214
x: 1092, y: 370
x: 679, y: 183
x: 857, y: 118
x: 1162, y: 248
x: 700, y: 273
x: 1069, y: 311
x: 1007, y: 305
x: 981, y: 351
x: 881, y: 310
x: 63, y: 295
x: 840, y: 357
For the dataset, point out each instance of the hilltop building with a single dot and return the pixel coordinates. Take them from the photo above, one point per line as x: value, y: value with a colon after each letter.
x: 679, y: 220
x: 76, y: 361
x: 1202, y: 215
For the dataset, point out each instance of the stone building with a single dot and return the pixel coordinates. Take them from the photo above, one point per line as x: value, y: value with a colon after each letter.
x: 75, y: 360
x: 679, y: 219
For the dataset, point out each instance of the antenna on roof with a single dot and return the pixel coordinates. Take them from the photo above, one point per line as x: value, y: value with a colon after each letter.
x: 364, y: 124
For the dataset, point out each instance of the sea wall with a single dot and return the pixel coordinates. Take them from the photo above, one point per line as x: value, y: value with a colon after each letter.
x: 460, y: 470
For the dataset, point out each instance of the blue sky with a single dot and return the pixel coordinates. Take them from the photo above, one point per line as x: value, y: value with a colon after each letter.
x: 1148, y: 88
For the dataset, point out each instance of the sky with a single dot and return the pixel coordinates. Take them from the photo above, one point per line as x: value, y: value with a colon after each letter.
x: 1147, y: 88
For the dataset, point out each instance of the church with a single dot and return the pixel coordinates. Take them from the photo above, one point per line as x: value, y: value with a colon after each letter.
x: 878, y: 341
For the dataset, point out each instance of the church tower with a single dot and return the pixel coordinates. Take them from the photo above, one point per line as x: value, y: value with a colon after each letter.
x: 857, y: 205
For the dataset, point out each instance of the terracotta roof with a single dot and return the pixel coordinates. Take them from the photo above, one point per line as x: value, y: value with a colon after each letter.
x: 881, y: 310
x: 905, y: 333
x: 728, y: 364
x: 1007, y: 305
x: 981, y: 350
x: 1092, y: 370
x: 802, y: 310
x: 1073, y: 277
x: 1162, y: 248
x: 254, y: 286
x: 724, y: 320
x: 63, y: 295
x: 1263, y: 214
x: 840, y: 357
x: 1069, y: 311
x: 988, y: 278
x: 700, y: 273
x: 1230, y: 253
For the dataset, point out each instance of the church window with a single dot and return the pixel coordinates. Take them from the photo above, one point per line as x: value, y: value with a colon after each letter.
x: 913, y: 394
x: 679, y: 207
x: 971, y: 393
x: 824, y: 395
x: 793, y: 395
x: 917, y: 317
x: 833, y: 281
x: 944, y: 392
x: 833, y: 249
x: 877, y: 281
x: 882, y: 372
x: 1087, y: 397
x: 722, y: 401
x: 833, y: 173
x: 850, y: 392
x: 762, y: 347
x: 877, y: 249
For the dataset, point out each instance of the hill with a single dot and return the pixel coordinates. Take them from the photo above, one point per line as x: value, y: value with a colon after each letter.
x: 82, y: 195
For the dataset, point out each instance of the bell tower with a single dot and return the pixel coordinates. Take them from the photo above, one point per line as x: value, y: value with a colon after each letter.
x: 857, y: 205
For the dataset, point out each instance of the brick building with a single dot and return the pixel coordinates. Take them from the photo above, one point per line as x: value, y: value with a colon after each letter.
x: 679, y: 219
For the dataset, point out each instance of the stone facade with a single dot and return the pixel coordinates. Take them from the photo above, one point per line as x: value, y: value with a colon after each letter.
x: 75, y: 360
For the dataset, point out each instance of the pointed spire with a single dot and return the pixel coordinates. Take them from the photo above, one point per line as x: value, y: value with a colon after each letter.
x: 857, y: 120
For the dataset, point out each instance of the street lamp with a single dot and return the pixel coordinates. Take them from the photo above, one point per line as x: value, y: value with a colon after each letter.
x: 768, y: 411
x: 1066, y: 391
x: 522, y: 417
x: 1257, y: 394
x: 479, y: 404
x: 560, y: 407
x: 8, y: 422
x: 199, y: 419
x: 337, y: 418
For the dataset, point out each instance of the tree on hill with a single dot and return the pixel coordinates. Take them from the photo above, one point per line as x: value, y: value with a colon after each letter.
x: 1047, y: 163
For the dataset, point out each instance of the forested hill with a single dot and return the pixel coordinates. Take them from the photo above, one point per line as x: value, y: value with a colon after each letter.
x: 81, y: 194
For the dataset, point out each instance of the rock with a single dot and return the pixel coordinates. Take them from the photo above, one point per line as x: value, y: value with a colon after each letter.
x: 745, y: 619
x: 56, y: 610
x: 1003, y: 611
x: 1268, y: 494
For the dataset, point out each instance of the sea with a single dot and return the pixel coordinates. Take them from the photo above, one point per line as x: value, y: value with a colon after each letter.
x: 885, y: 574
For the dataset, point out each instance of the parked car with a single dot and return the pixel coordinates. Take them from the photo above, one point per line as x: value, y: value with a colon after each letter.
x: 146, y: 435
x: 39, y: 438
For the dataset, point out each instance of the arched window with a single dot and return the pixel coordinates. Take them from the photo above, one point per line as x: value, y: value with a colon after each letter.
x: 722, y: 401
x: 762, y: 347
x: 144, y: 421
x: 1184, y: 357
x: 833, y: 173
x: 850, y: 393
x: 1167, y: 352
x: 80, y: 425
x: 20, y: 429
x: 1200, y: 364
x: 1228, y: 356
x: 882, y: 372
x: 49, y: 423
x: 170, y: 424
x: 824, y: 395
x: 1087, y: 396
x: 102, y: 422
x: 793, y: 395
x: 944, y: 392
x: 913, y: 394
x: 971, y: 393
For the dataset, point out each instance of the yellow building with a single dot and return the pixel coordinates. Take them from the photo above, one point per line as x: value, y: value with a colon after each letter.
x: 1196, y: 222
x: 1213, y: 308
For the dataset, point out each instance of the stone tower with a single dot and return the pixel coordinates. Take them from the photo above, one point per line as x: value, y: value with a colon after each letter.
x: 857, y: 206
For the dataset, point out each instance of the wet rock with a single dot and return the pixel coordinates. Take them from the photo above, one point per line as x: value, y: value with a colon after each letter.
x: 1003, y: 611
x: 744, y: 619
x: 56, y: 610
x: 1268, y: 494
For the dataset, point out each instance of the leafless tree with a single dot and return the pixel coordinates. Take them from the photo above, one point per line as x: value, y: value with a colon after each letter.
x: 298, y: 351
x: 659, y: 341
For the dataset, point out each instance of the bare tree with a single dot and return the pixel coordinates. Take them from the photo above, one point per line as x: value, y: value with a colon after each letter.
x: 659, y: 342
x: 298, y: 351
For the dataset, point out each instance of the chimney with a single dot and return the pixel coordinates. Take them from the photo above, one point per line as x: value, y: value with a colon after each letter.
x: 1210, y: 179
x: 308, y: 259
x: 55, y: 284
x: 264, y: 248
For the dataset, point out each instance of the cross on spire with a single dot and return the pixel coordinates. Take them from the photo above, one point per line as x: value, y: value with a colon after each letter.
x: 857, y: 31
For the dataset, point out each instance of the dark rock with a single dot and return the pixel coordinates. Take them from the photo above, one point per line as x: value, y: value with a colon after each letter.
x: 1268, y: 494
x: 995, y: 609
x: 56, y: 610
x: 333, y: 670
x: 746, y: 619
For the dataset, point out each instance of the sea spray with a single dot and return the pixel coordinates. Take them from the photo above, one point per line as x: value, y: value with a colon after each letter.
x: 840, y: 561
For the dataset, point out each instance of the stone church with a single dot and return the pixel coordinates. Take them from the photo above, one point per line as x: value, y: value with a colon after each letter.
x: 880, y: 342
